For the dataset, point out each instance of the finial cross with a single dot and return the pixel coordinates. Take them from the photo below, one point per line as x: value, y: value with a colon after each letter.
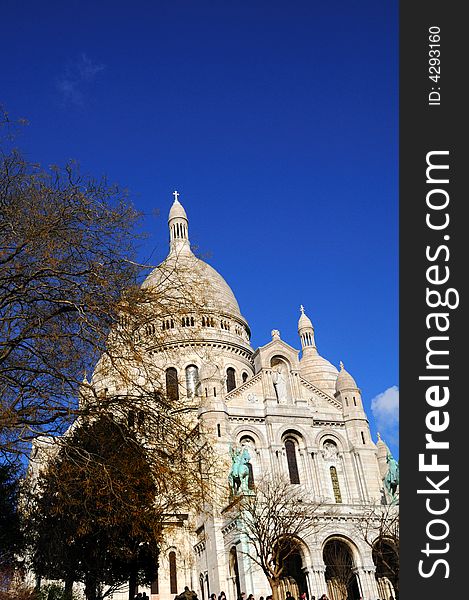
x: 302, y: 308
x: 175, y: 194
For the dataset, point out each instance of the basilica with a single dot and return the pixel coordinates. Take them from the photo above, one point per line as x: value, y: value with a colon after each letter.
x: 291, y: 414
x: 296, y: 414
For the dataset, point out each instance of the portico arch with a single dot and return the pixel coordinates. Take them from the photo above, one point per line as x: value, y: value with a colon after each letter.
x: 386, y: 559
x: 341, y: 580
x: 293, y: 558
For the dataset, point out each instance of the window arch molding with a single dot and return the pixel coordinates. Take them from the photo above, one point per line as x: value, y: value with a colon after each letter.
x: 232, y: 377
x: 250, y: 431
x: 301, y: 548
x: 292, y: 442
x: 298, y: 433
x: 323, y: 436
x: 275, y: 358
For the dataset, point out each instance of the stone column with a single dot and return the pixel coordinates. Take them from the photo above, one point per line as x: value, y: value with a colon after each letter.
x: 317, y: 581
x: 367, y: 582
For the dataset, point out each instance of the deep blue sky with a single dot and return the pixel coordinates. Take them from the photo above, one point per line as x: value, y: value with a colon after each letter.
x: 276, y: 121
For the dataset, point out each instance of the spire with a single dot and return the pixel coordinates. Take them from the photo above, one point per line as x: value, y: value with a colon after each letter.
x: 306, y: 330
x: 344, y: 380
x: 178, y: 227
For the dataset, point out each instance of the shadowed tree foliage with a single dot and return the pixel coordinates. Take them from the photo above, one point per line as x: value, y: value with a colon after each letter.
x: 94, y: 515
x: 11, y: 539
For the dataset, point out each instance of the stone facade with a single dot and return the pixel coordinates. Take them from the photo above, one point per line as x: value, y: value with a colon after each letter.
x: 292, y: 408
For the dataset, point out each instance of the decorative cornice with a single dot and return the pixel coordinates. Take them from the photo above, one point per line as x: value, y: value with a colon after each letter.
x: 328, y: 423
x: 229, y: 528
x: 245, y: 419
x: 218, y: 344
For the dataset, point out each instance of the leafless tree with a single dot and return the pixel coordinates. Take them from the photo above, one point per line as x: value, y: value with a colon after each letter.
x: 379, y: 528
x: 71, y: 303
x: 273, y: 519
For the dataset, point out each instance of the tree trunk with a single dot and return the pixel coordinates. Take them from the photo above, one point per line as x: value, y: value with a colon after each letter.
x: 91, y: 587
x: 68, y: 588
x: 133, y: 584
x: 275, y: 587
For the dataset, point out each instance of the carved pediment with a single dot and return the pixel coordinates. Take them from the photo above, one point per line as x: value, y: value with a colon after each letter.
x: 249, y: 391
x: 319, y: 399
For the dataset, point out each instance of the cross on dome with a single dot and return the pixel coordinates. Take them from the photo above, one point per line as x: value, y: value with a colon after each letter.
x: 302, y: 308
x: 176, y: 194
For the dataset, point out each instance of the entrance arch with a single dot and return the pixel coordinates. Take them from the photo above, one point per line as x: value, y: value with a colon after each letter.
x: 293, y: 575
x: 386, y: 559
x: 340, y: 578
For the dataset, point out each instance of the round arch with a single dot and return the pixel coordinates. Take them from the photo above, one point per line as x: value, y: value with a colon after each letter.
x: 386, y: 560
x: 341, y: 557
x: 298, y: 432
x: 249, y: 430
x: 323, y: 435
x: 294, y: 556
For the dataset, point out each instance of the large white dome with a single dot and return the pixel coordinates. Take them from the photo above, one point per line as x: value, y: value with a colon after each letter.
x: 190, y: 298
x: 184, y: 278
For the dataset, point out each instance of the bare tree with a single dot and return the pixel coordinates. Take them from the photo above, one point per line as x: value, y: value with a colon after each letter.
x: 71, y: 303
x: 66, y: 254
x: 379, y: 528
x: 273, y: 519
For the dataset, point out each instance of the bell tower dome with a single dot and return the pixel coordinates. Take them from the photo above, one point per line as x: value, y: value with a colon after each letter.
x: 178, y: 228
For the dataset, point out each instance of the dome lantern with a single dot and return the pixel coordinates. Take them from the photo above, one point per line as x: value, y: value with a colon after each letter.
x: 178, y: 224
x: 306, y: 331
x: 313, y: 367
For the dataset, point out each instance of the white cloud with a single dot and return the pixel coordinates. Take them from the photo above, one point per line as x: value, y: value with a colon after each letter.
x: 77, y: 79
x: 385, y: 409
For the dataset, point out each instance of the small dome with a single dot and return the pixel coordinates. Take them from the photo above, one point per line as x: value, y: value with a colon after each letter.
x: 177, y: 211
x: 304, y: 322
x: 381, y: 445
x: 345, y: 381
x: 382, y: 454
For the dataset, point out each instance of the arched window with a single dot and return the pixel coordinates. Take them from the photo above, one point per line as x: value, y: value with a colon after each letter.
x: 173, y: 584
x: 290, y: 449
x: 230, y: 379
x: 244, y: 376
x: 335, y: 485
x: 248, y: 442
x: 192, y: 379
x: 172, y: 387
